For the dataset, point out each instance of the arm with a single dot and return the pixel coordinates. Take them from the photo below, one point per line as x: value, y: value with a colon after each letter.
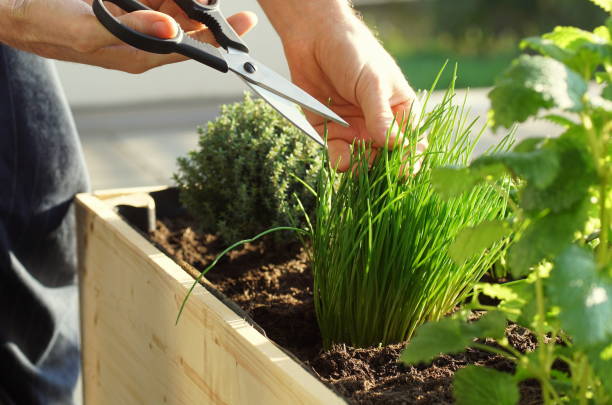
x: 332, y: 54
x: 68, y: 30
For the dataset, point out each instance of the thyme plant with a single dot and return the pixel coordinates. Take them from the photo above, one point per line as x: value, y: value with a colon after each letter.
x: 243, y: 177
x: 562, y: 220
x: 381, y: 235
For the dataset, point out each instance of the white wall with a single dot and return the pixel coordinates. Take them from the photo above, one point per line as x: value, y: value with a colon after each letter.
x: 88, y: 86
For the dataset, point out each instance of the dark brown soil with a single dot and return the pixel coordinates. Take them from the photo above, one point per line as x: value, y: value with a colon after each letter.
x: 274, y: 287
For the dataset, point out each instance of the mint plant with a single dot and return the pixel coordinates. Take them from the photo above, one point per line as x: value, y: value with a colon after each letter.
x: 561, y: 220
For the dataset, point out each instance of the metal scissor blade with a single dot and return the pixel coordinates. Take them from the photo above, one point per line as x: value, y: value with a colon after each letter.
x: 264, y: 77
x: 288, y: 110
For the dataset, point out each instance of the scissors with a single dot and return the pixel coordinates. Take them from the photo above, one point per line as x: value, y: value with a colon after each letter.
x: 233, y: 55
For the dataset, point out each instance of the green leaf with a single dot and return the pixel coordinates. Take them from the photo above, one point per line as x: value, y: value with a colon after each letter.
x: 533, y: 83
x: 570, y: 37
x: 451, y: 336
x: 605, y: 4
x: 600, y: 358
x: 546, y: 47
x: 560, y: 120
x: 572, y: 180
x: 474, y: 240
x: 539, y: 167
x: 545, y: 237
x: 583, y: 50
x: 607, y: 92
x: 475, y: 385
x: 584, y: 299
x: 528, y: 144
x: 451, y: 182
x: 514, y: 297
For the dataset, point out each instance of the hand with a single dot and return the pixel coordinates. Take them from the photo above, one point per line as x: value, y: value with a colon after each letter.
x: 336, y: 57
x: 68, y: 30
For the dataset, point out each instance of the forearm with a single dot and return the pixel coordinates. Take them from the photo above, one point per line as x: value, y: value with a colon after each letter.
x: 6, y: 23
x: 301, y: 16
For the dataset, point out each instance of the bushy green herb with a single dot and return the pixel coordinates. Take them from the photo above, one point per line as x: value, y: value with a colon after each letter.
x: 243, y: 178
x: 381, y: 237
x: 562, y: 222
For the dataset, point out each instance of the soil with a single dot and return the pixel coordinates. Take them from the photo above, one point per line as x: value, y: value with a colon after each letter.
x: 273, y: 286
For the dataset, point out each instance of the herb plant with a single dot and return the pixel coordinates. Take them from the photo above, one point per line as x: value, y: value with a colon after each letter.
x: 243, y: 178
x: 381, y: 236
x: 562, y: 221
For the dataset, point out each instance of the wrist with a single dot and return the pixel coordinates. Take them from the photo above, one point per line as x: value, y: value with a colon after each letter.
x: 300, y: 19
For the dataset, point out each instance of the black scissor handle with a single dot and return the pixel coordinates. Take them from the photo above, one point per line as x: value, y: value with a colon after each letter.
x: 181, y: 43
x: 211, y: 16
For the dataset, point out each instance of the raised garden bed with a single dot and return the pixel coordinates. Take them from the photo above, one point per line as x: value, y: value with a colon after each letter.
x: 134, y: 353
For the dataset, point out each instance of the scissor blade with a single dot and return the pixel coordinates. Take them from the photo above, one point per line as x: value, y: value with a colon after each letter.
x: 268, y: 79
x: 288, y: 110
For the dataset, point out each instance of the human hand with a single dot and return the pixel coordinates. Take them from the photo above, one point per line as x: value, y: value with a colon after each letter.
x: 334, y: 56
x: 68, y: 30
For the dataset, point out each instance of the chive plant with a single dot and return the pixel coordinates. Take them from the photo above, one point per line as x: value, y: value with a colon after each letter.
x: 381, y: 234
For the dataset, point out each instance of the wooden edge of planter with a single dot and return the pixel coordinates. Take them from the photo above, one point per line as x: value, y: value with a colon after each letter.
x: 133, y: 353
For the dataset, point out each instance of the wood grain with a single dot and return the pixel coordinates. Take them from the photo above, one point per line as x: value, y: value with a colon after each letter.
x: 133, y: 353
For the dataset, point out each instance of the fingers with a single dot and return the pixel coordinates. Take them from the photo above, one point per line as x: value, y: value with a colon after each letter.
x: 339, y: 152
x: 90, y: 35
x: 241, y: 22
x: 99, y: 47
x: 374, y: 99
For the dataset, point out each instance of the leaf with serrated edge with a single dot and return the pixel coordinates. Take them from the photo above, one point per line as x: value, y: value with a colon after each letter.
x: 585, y: 300
x: 513, y: 296
x: 560, y: 120
x: 546, y: 237
x: 450, y: 182
x: 451, y: 336
x: 474, y: 385
x: 475, y: 239
x: 546, y: 47
x: 605, y: 4
x: 574, y: 175
x: 533, y: 83
x: 539, y: 167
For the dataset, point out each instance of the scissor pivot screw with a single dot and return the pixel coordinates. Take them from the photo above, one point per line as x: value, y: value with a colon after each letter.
x: 249, y: 67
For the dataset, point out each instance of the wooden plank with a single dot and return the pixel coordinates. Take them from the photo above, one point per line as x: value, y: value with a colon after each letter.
x: 133, y: 353
x: 123, y: 192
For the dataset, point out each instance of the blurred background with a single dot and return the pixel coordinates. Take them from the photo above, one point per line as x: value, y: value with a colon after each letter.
x: 133, y: 127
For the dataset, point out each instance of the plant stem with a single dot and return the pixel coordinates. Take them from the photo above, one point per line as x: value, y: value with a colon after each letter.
x: 602, y: 252
x: 599, y: 143
x: 584, y: 380
x: 547, y: 389
x: 494, y: 350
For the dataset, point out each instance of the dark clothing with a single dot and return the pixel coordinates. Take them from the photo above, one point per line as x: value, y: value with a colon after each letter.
x: 41, y: 169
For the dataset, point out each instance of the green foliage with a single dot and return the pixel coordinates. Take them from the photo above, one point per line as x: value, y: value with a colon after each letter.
x: 451, y: 335
x: 533, y: 83
x: 245, y: 176
x: 381, y: 236
x: 562, y: 220
x: 605, y: 4
x: 475, y: 239
x: 499, y: 389
x: 583, y: 297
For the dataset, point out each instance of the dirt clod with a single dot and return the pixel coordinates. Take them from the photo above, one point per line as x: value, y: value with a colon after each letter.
x: 274, y: 286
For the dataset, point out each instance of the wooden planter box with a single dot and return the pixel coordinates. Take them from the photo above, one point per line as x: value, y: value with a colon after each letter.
x: 133, y: 353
